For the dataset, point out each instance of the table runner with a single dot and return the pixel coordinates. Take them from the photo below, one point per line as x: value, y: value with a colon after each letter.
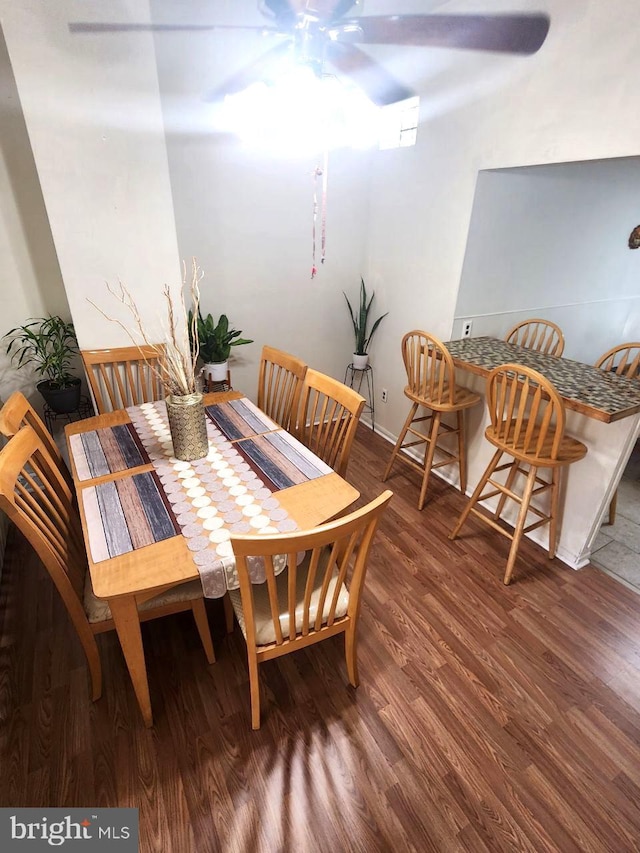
x: 223, y: 493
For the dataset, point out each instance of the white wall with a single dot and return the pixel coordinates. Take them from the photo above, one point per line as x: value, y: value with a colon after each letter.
x: 30, y: 280
x: 247, y: 215
x: 551, y: 242
x: 401, y: 217
x: 92, y: 112
x: 576, y: 99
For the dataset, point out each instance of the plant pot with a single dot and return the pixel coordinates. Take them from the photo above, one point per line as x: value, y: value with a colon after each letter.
x: 216, y: 371
x: 62, y: 401
x: 360, y: 362
x: 188, y: 426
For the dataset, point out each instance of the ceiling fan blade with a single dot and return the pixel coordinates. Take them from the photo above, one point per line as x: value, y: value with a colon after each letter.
x: 378, y: 85
x: 261, y: 70
x: 507, y: 33
x: 97, y: 27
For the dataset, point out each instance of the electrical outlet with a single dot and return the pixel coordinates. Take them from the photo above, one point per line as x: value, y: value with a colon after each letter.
x: 384, y: 395
x: 466, y: 328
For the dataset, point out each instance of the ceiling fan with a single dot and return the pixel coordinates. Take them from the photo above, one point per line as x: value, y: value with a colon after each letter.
x: 316, y: 32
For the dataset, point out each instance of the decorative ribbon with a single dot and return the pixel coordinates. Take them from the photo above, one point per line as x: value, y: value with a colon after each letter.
x: 320, y: 172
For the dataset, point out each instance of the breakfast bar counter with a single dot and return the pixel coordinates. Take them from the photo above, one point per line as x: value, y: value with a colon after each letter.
x: 603, y: 411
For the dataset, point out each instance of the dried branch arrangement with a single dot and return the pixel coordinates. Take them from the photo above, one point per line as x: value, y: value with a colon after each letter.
x: 178, y: 354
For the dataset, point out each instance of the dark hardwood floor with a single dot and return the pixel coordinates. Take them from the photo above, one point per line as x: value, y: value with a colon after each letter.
x: 488, y: 718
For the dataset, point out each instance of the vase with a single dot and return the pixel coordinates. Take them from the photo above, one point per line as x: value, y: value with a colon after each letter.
x: 360, y: 361
x: 188, y: 426
x: 216, y: 371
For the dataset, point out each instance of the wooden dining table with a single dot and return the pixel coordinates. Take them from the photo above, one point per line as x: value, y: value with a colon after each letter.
x: 602, y: 411
x: 126, y: 580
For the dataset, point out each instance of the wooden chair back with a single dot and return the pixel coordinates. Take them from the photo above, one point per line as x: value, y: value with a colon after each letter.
x: 430, y: 369
x: 336, y: 554
x: 125, y: 376
x: 279, y: 385
x: 328, y: 420
x: 624, y: 360
x: 18, y: 412
x: 540, y: 335
x: 527, y: 413
x: 38, y: 499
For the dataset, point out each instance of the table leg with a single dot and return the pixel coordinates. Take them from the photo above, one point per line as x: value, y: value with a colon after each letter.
x: 125, y: 616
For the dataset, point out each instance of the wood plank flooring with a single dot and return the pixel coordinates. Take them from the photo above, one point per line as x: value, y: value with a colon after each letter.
x: 488, y: 718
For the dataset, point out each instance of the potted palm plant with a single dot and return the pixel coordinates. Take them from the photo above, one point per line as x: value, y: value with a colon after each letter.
x: 48, y: 345
x: 215, y: 341
x: 360, y: 320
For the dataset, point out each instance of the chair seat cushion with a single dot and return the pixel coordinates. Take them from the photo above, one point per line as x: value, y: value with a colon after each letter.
x: 264, y: 628
x: 98, y: 610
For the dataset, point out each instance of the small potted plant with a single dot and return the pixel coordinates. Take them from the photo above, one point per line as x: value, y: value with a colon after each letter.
x: 49, y: 345
x: 361, y: 331
x: 216, y: 340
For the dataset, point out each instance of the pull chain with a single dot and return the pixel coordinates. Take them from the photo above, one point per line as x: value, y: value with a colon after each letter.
x: 324, y: 174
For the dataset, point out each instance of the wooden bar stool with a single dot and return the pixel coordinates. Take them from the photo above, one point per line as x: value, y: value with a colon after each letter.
x: 623, y: 360
x: 431, y: 385
x: 540, y: 335
x: 527, y: 423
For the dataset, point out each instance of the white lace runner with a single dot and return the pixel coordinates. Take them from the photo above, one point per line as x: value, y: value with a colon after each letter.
x: 211, y: 498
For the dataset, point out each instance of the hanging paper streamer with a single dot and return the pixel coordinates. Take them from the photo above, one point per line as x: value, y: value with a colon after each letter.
x: 319, y: 172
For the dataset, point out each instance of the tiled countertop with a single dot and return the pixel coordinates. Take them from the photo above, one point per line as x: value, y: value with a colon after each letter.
x: 583, y: 387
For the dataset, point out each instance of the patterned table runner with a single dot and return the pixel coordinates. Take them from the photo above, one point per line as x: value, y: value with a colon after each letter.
x: 126, y: 514
x: 223, y: 493
x: 106, y: 451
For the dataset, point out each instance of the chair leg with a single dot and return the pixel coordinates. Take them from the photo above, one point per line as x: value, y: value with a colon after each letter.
x: 428, y: 458
x: 476, y: 493
x: 228, y: 613
x: 398, y: 444
x: 520, y: 523
x: 553, y: 511
x: 612, y: 508
x: 92, y: 654
x: 351, y: 652
x: 202, y: 624
x: 462, y: 452
x: 511, y: 476
x: 254, y: 685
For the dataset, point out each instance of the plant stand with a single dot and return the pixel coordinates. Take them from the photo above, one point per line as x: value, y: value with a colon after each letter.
x: 356, y: 378
x: 210, y: 385
x: 51, y: 418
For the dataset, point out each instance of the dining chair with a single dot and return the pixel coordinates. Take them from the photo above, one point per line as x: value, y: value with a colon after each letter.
x: 124, y: 376
x: 623, y: 360
x: 308, y: 601
x: 37, y: 498
x: 527, y: 424
x: 18, y: 412
x: 431, y: 385
x: 539, y: 335
x: 328, y: 419
x: 279, y: 385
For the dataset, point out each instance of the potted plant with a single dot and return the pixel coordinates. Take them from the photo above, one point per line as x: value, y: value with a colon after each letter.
x: 215, y: 341
x: 49, y: 345
x: 361, y: 331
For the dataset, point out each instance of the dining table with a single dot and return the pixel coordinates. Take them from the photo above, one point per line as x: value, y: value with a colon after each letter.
x: 151, y: 522
x: 602, y: 410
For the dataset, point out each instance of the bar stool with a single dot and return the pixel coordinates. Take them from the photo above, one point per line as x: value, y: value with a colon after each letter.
x: 431, y: 385
x: 527, y: 423
x: 623, y: 360
x: 536, y: 334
